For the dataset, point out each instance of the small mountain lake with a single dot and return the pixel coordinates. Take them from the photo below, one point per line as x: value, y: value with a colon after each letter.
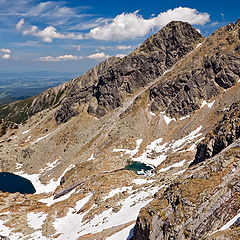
x: 139, y: 168
x: 12, y: 183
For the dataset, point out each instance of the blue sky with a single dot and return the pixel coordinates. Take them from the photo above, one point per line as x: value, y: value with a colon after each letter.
x: 73, y: 36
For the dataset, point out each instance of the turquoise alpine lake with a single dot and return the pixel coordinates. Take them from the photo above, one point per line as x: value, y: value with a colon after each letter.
x: 138, y: 167
x: 12, y: 183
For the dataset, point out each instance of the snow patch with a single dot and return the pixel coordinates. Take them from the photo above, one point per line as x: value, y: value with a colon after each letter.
x: 182, y: 118
x: 211, y: 104
x: 26, y: 132
x: 124, y: 234
x: 50, y: 165
x: 35, y: 220
x: 177, y: 145
x: 41, y: 138
x: 180, y: 172
x: 199, y: 44
x: 73, y: 220
x: 228, y: 224
x: 180, y: 164
x: 168, y: 119
x: 141, y: 181
x: 41, y: 188
x: 18, y: 166
x: 91, y: 158
x: 116, y: 191
x: 50, y: 201
x: 6, y: 231
x: 129, y: 211
x: 156, y: 147
x: 203, y: 103
x: 28, y: 139
x: 153, y: 114
x: 208, y: 104
x: 130, y: 152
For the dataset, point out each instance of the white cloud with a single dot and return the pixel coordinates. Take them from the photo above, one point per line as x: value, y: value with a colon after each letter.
x: 120, y: 55
x: 77, y: 47
x: 27, y: 43
x: 6, y: 56
x: 59, y: 58
x: 123, y: 47
x: 91, y: 24
x: 5, y: 50
x: 47, y: 34
x: 20, y: 24
x: 5, y: 53
x: 133, y: 25
x: 100, y: 55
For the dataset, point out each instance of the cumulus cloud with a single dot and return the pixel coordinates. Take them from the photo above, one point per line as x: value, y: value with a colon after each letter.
x: 59, y: 58
x: 6, y: 56
x: 123, y: 47
x: 47, y: 34
x: 133, y: 25
x: 100, y: 55
x: 5, y: 50
x: 5, y: 53
x: 120, y: 55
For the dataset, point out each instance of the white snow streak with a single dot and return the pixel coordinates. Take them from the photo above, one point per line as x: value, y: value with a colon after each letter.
x: 180, y: 164
x: 182, y: 118
x: 130, y: 152
x: 35, y: 220
x: 41, y: 138
x: 41, y: 188
x: 124, y: 234
x: 208, y: 104
x: 141, y: 181
x: 211, y: 104
x: 203, y: 103
x: 228, y: 224
x: 199, y: 44
x: 27, y: 131
x: 116, y: 191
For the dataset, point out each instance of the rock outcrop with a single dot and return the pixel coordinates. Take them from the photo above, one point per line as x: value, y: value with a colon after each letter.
x: 223, y: 134
x: 196, y: 206
x: 206, y: 197
x: 115, y: 81
x: 212, y: 68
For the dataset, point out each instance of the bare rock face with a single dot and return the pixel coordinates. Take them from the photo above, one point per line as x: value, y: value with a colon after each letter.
x: 207, y: 197
x: 214, y: 67
x: 4, y: 238
x: 114, y: 81
x: 149, y: 61
x: 224, y: 133
x: 196, y: 207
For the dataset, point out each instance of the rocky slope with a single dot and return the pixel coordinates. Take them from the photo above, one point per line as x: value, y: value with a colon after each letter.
x: 172, y: 104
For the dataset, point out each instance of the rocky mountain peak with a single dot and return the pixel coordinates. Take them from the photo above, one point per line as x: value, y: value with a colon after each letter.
x: 149, y: 61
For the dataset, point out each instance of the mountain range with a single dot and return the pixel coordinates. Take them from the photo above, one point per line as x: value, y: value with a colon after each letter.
x: 142, y: 147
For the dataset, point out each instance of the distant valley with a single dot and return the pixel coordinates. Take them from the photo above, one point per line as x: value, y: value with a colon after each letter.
x: 21, y: 85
